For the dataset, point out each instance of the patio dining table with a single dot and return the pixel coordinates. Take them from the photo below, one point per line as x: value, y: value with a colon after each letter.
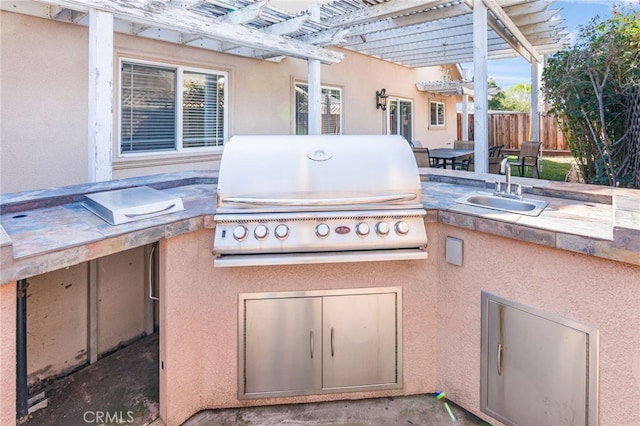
x: 451, y: 155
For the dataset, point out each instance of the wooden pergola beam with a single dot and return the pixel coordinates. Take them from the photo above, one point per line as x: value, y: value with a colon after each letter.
x: 158, y: 14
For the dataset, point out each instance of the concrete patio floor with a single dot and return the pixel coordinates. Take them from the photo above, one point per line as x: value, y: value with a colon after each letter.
x: 122, y: 388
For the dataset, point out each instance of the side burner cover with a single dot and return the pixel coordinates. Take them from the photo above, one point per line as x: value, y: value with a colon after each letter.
x: 131, y: 204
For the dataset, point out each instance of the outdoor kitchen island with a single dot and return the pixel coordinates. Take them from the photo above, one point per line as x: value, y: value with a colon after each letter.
x: 579, y: 260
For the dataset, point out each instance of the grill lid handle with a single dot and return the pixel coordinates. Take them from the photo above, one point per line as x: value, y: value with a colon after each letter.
x: 320, y: 201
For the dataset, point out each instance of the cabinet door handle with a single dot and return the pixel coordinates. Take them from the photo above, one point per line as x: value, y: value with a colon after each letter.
x: 332, y: 342
x: 311, y: 342
x: 499, y: 359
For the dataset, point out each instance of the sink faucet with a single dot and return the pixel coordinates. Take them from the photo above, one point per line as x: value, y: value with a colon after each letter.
x: 505, y: 167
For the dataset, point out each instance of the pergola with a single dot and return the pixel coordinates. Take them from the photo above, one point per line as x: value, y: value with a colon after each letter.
x: 413, y: 33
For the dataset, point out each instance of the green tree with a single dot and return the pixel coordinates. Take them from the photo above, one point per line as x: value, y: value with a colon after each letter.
x: 594, y: 91
x: 514, y: 98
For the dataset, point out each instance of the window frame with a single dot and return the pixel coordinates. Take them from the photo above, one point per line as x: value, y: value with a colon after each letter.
x: 179, y: 71
x: 398, y: 126
x: 323, y: 87
x: 437, y: 124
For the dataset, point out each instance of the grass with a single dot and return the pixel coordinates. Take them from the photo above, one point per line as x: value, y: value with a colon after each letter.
x: 550, y: 170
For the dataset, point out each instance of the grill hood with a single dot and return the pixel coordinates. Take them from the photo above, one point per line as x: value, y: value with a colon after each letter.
x: 318, y: 199
x: 317, y: 173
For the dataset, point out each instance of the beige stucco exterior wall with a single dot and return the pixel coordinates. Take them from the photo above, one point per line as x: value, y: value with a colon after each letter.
x: 441, y: 316
x: 56, y: 322
x: 7, y: 353
x: 122, y: 295
x: 589, y: 290
x: 44, y: 66
x: 199, y: 311
x: 58, y: 313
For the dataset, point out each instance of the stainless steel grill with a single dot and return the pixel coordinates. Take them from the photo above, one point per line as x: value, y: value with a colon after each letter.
x: 317, y: 199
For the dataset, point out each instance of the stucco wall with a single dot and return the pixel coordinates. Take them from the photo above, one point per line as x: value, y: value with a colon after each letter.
x: 589, y: 290
x: 7, y: 353
x: 57, y: 312
x: 199, y: 311
x: 56, y: 322
x: 44, y: 66
x: 441, y: 316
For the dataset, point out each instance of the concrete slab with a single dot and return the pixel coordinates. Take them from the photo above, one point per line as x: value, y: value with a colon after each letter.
x: 416, y: 410
x: 122, y: 388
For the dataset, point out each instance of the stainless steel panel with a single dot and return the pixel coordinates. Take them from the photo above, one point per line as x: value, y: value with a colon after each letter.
x: 293, y: 173
x: 278, y: 332
x: 283, y: 349
x: 303, y: 238
x: 131, y: 204
x: 319, y: 257
x: 537, y: 368
x: 360, y: 340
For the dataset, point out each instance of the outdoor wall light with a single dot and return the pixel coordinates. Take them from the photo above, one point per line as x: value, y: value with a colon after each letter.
x: 381, y: 99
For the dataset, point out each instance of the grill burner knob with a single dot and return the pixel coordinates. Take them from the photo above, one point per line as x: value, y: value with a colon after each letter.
x: 260, y: 232
x: 281, y: 231
x: 362, y: 229
x: 402, y: 228
x: 382, y: 228
x: 322, y: 230
x: 240, y: 232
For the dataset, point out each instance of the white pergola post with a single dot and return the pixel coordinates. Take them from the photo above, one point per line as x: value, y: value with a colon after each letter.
x: 465, y: 117
x: 314, y: 89
x: 480, y: 88
x: 100, y: 120
x: 535, y: 97
x: 315, y: 98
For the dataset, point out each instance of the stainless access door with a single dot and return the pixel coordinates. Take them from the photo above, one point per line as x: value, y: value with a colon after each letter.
x: 360, y: 340
x: 536, y: 369
x: 282, y: 348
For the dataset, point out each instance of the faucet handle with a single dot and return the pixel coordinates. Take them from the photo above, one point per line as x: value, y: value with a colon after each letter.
x: 519, y: 190
x: 497, y: 189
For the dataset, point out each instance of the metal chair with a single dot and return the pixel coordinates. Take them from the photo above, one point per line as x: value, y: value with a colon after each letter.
x: 529, y: 156
x: 423, y: 159
x: 462, y: 144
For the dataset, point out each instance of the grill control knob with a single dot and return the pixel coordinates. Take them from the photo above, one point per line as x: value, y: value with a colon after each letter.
x: 322, y: 230
x: 382, y: 228
x: 281, y: 231
x: 260, y: 232
x: 240, y: 232
x: 362, y: 229
x: 402, y: 228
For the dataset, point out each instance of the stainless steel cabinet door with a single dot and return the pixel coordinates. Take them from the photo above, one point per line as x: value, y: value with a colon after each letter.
x: 282, y: 348
x: 535, y: 369
x: 360, y: 340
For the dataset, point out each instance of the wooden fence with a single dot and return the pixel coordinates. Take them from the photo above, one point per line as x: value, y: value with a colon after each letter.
x: 512, y: 128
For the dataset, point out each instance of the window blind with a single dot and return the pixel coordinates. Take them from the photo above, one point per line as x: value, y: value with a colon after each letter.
x: 148, y: 108
x: 202, y: 110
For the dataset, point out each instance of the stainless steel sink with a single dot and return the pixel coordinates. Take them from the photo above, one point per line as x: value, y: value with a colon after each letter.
x: 488, y: 200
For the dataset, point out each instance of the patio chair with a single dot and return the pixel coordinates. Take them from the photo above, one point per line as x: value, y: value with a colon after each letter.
x: 495, y: 151
x: 529, y: 156
x: 423, y: 159
x: 462, y: 144
x: 494, y: 160
x: 464, y: 164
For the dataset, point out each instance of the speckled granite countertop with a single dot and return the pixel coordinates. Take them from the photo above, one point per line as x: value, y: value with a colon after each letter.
x: 49, y: 229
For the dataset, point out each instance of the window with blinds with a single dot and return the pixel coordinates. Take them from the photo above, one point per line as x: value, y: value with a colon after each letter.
x: 437, y: 114
x: 148, y: 108
x: 203, y: 110
x: 170, y: 109
x: 330, y: 110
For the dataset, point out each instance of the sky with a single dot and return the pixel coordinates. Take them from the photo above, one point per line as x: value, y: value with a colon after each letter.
x: 509, y: 72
